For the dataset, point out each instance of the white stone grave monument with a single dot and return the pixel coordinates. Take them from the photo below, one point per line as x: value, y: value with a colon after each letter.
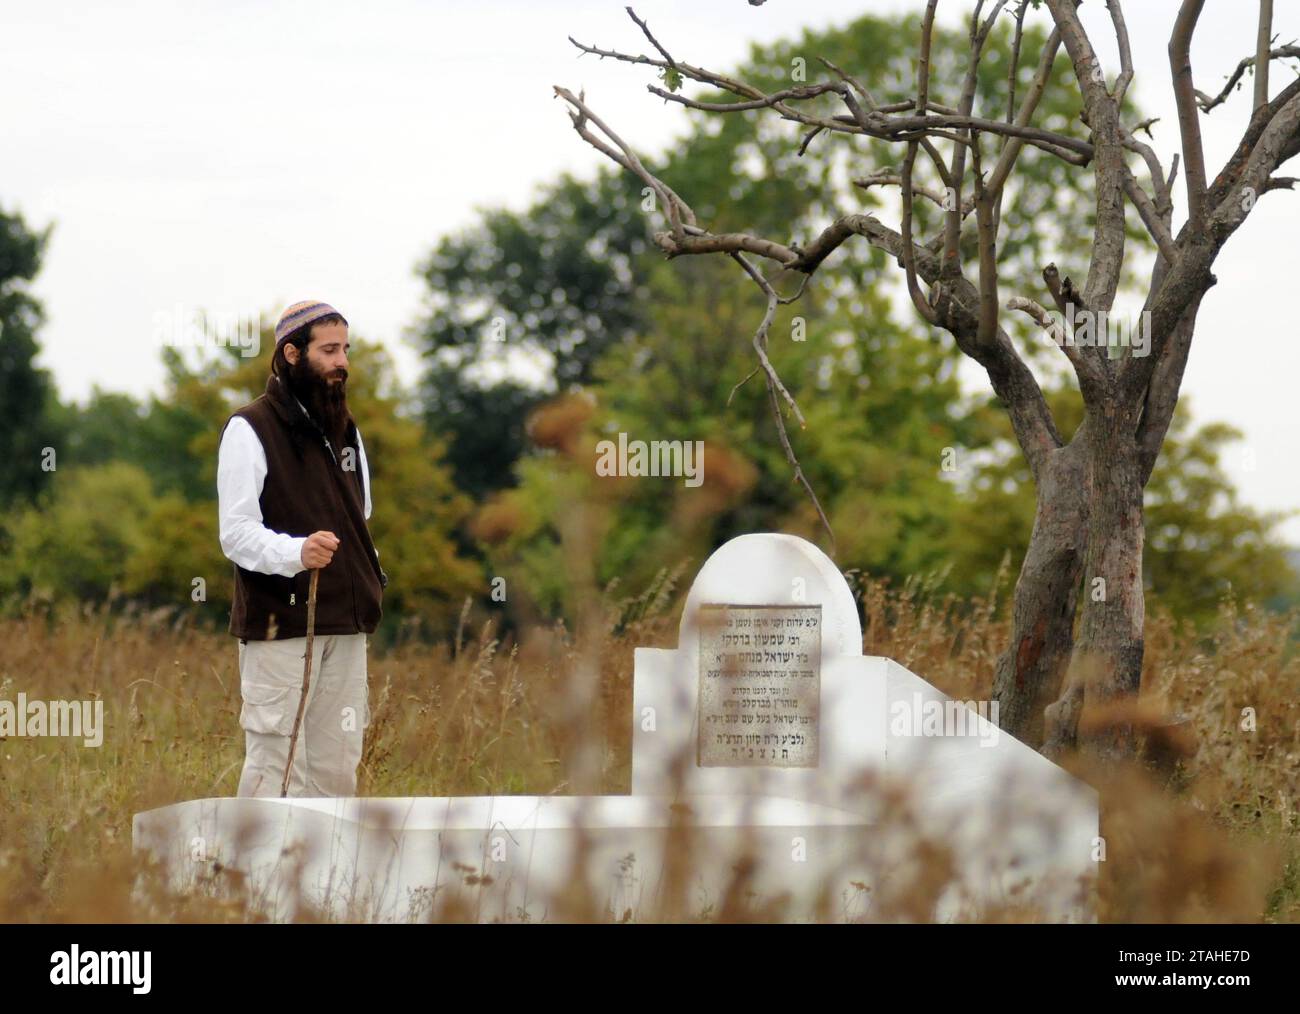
x: 763, y: 749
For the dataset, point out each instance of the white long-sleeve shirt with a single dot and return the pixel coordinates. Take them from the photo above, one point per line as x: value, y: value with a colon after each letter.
x: 241, y: 473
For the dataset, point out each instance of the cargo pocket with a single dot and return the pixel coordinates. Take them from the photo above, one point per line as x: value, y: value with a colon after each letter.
x: 269, y: 710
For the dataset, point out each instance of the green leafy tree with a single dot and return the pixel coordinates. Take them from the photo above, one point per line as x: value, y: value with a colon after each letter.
x: 27, y: 396
x: 568, y: 279
x: 133, y: 510
x: 1202, y: 542
x: 560, y: 284
x: 158, y: 433
x: 878, y: 403
x: 881, y: 402
x: 75, y: 542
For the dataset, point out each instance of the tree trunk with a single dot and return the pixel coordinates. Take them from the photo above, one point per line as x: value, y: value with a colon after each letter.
x: 1105, y: 671
x: 1030, y: 671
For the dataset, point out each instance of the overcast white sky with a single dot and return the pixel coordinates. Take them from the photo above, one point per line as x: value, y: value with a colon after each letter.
x: 239, y: 156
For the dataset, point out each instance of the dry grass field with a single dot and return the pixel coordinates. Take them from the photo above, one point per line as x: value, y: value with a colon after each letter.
x: 1207, y: 831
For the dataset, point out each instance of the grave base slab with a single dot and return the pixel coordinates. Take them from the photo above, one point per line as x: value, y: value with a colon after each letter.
x: 511, y: 858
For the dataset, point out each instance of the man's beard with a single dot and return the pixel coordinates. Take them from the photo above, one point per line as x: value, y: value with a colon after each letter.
x: 326, y: 400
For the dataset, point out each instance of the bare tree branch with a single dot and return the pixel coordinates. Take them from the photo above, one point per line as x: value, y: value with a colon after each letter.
x: 760, y: 336
x: 1102, y: 111
x: 1206, y: 103
x: 1263, y: 38
x: 1039, y: 315
x: 1151, y: 217
x: 1180, y: 63
x: 1090, y: 370
x: 919, y: 300
x: 1125, y: 54
x: 1013, y: 67
x: 673, y: 206
x: 874, y: 122
x: 1278, y: 142
x: 1230, y: 175
x: 1007, y: 160
x: 734, y: 242
x: 891, y: 177
x: 1275, y: 133
x: 766, y: 102
x: 653, y: 41
x: 957, y: 169
x: 1084, y: 368
x: 850, y: 79
x: 775, y: 387
x: 923, y: 64
x: 1160, y: 183
x: 958, y: 303
x: 1049, y: 140
x: 988, y: 250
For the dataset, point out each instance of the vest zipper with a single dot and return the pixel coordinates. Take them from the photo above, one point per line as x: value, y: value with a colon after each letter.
x: 320, y: 431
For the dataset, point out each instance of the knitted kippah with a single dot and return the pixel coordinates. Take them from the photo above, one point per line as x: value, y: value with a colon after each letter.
x: 299, y: 314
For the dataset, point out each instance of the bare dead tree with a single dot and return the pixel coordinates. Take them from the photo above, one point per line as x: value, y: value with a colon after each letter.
x: 1085, y: 553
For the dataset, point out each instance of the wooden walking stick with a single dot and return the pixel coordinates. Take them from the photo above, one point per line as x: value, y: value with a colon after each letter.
x: 306, y: 679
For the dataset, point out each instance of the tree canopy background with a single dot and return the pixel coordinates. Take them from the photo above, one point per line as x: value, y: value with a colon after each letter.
x: 560, y: 325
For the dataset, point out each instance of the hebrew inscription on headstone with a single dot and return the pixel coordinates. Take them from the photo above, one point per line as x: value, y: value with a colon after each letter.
x: 760, y: 685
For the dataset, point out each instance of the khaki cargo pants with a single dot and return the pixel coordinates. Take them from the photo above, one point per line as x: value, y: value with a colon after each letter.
x: 333, y: 722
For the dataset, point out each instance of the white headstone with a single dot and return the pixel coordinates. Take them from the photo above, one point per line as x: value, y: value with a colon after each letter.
x: 767, y: 692
x: 765, y: 729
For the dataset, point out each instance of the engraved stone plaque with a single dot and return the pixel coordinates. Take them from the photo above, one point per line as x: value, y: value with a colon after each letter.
x: 760, y: 686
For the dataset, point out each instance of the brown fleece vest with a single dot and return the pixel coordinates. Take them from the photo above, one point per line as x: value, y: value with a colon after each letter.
x: 309, y: 487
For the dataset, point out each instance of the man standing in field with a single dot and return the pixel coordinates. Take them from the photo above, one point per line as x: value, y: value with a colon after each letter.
x: 293, y: 490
